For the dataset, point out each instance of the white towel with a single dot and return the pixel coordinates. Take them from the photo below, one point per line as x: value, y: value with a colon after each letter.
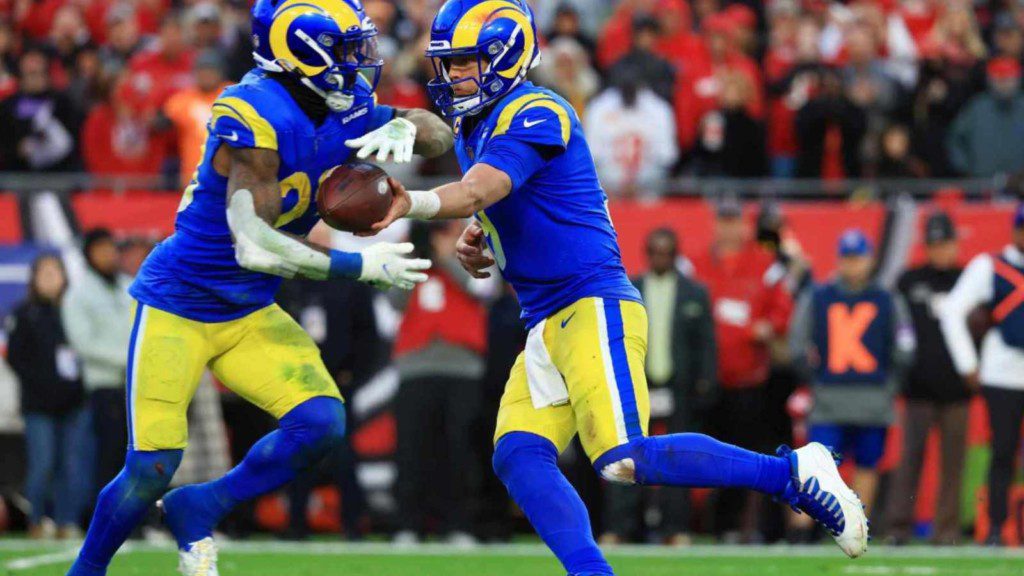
x: 547, y: 387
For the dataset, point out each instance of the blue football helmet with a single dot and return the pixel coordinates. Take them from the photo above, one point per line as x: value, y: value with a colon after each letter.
x: 328, y: 44
x: 499, y: 34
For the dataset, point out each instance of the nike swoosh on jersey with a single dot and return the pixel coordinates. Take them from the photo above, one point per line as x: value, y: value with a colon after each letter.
x: 567, y: 318
x: 528, y: 124
x: 233, y: 138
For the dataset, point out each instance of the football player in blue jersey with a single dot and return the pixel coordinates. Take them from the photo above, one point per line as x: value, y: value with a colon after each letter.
x: 205, y: 295
x: 541, y: 216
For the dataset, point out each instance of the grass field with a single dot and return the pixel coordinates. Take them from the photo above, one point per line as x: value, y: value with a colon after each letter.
x: 21, y: 558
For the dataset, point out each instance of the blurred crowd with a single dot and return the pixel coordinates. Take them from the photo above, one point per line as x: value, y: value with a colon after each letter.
x: 730, y: 88
x: 742, y: 344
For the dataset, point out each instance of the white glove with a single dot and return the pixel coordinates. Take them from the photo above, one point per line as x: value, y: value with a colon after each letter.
x: 385, y: 265
x: 397, y: 138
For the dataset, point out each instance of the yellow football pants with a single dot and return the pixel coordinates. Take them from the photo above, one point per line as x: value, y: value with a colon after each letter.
x: 264, y: 357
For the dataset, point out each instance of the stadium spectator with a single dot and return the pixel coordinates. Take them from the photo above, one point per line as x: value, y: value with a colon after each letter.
x: 936, y: 395
x: 744, y: 31
x: 439, y: 354
x: 895, y: 157
x: 117, y: 137
x: 189, y: 110
x: 1008, y: 37
x: 956, y: 36
x: 994, y: 280
x: 97, y: 315
x: 567, y: 25
x: 700, y: 85
x: 985, y: 136
x: 567, y: 70
x: 642, y: 60
x: 870, y: 87
x: 830, y: 128
x: 681, y: 357
x: 773, y: 235
x: 211, y: 29
x: 631, y: 132
x: 165, y: 66
x: 122, y: 37
x: 88, y: 78
x: 68, y: 37
x: 853, y: 339
x: 751, y: 307
x: 792, y: 48
x: 52, y: 403
x: 731, y: 142
x: 40, y: 122
x: 944, y: 86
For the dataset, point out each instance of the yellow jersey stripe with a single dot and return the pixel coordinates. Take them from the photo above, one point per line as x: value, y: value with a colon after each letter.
x: 263, y: 133
x: 532, y: 101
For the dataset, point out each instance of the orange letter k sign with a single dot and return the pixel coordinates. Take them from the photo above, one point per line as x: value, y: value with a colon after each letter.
x: 846, y: 327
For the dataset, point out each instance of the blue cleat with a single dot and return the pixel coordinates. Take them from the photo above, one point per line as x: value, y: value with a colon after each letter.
x: 819, y: 491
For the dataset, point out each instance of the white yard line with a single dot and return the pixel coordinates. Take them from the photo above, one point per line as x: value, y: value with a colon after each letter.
x: 48, y: 559
x: 31, y: 562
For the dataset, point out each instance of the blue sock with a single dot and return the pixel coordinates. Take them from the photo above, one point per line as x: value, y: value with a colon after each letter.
x: 305, y: 434
x: 699, y: 461
x: 122, y: 504
x: 527, y: 464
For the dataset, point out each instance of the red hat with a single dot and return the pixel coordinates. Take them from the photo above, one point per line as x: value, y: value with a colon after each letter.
x: 1003, y: 68
x: 742, y: 16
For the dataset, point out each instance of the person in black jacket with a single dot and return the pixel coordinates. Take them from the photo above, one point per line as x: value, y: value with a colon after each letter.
x: 40, y: 122
x: 937, y: 396
x: 52, y: 402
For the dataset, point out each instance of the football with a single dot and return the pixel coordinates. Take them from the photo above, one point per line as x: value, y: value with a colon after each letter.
x: 353, y: 196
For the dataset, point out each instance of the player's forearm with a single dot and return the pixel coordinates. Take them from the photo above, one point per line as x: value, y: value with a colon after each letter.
x: 433, y: 136
x: 481, y: 187
x: 460, y: 199
x: 254, y: 205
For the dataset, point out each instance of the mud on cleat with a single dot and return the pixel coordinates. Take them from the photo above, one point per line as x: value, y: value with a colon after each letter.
x: 198, y: 558
x: 818, y: 490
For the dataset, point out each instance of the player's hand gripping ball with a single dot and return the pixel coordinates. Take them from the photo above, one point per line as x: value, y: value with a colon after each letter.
x: 353, y: 196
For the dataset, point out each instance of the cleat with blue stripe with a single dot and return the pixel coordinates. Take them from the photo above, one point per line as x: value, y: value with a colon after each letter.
x: 819, y: 491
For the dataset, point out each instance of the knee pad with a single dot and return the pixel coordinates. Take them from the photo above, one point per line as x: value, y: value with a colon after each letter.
x: 318, y: 421
x: 151, y: 472
x: 517, y: 446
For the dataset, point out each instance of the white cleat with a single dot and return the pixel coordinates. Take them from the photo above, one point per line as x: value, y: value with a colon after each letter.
x: 200, y: 559
x: 819, y: 491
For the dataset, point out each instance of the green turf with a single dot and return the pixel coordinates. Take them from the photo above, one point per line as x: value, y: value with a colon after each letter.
x: 329, y: 560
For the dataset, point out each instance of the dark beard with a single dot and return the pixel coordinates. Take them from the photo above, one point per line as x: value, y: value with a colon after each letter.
x: 311, y: 103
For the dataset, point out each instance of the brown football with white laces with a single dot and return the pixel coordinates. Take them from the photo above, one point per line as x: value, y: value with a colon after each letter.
x: 353, y: 196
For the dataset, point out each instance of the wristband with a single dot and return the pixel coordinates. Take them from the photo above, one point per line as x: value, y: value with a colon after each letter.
x: 345, y: 264
x: 424, y: 204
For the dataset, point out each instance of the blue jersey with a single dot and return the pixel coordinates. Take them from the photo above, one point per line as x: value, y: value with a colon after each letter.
x: 551, y: 236
x: 194, y: 273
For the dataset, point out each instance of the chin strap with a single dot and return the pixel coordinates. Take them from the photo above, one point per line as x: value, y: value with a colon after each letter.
x: 336, y: 100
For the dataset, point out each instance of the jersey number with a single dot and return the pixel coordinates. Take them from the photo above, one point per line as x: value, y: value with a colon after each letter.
x: 297, y: 182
